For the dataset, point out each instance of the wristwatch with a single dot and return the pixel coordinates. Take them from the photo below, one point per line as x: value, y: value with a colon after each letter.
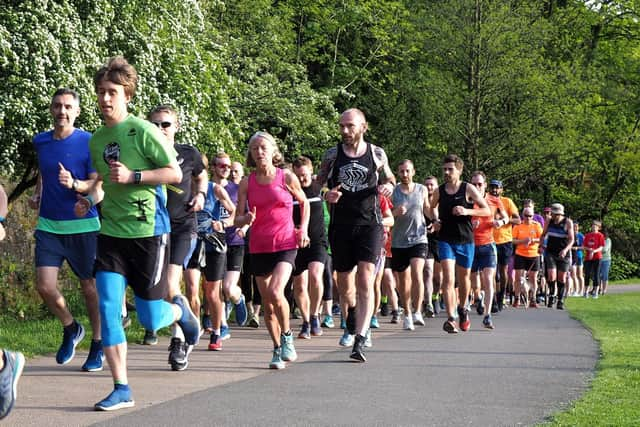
x: 74, y: 184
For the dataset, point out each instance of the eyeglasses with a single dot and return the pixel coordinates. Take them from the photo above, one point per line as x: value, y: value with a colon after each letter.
x: 223, y: 166
x: 162, y: 125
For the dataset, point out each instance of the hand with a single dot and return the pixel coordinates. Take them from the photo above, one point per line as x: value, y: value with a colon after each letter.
x: 64, y: 177
x: 217, y: 226
x: 81, y: 207
x: 459, y: 211
x: 240, y: 232
x: 333, y: 195
x: 385, y: 190
x: 528, y: 241
x: 401, y: 210
x: 497, y: 223
x: 303, y: 238
x: 34, y: 201
x: 119, y: 173
x: 197, y: 203
x: 251, y: 215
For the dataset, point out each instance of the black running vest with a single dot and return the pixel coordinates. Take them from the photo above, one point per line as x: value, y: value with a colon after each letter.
x: 454, y: 229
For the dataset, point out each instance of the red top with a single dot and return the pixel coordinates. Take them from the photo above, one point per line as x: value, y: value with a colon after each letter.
x: 593, y: 241
x: 483, y: 225
x: 273, y: 229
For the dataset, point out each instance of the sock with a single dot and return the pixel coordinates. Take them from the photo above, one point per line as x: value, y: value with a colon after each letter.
x: 176, y: 332
x: 351, y: 320
x: 216, y: 332
x: 560, y: 291
x: 384, y: 299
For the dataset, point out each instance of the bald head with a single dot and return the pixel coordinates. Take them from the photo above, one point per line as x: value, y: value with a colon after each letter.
x: 353, y: 126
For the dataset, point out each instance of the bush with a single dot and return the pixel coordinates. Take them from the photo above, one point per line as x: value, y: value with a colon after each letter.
x: 622, y: 269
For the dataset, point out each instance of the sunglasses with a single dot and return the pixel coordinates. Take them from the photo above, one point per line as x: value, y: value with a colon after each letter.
x: 162, y: 125
x: 223, y: 166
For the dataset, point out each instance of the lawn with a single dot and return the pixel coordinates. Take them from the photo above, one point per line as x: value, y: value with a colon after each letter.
x: 613, y: 397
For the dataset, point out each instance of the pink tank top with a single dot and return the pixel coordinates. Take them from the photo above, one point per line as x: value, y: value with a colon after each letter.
x: 273, y: 229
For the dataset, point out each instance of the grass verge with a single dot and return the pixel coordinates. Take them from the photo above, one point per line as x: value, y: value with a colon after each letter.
x: 615, y: 391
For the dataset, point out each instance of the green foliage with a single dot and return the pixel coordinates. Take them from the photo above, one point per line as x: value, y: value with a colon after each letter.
x: 622, y: 269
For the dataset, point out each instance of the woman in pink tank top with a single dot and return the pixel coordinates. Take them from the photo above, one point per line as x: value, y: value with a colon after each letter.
x: 273, y: 240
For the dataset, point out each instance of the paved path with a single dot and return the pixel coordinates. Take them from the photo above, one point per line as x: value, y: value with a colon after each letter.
x: 533, y: 364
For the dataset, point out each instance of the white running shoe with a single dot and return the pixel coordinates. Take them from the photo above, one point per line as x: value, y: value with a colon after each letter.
x: 418, y: 319
x: 407, y: 324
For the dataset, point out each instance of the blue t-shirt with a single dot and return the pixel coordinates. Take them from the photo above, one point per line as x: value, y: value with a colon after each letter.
x: 57, y: 201
x: 579, y: 241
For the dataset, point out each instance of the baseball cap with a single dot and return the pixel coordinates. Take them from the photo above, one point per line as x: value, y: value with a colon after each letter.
x: 495, y: 183
x: 557, y: 209
x: 546, y: 209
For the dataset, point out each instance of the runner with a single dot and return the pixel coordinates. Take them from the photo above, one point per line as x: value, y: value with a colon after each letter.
x: 310, y: 261
x: 65, y: 172
x: 432, y: 269
x: 409, y: 242
x: 455, y: 203
x: 593, y: 245
x: 577, y: 267
x: 133, y: 161
x: 182, y: 203
x: 352, y: 170
x: 273, y: 240
x: 485, y: 253
x: 559, y: 234
x: 526, y: 239
x: 605, y: 263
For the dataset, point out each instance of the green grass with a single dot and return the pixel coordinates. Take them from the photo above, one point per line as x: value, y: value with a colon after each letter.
x: 615, y: 391
x: 631, y: 281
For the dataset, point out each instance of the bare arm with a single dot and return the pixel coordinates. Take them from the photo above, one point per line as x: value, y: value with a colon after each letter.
x: 222, y: 195
x: 94, y: 195
x: 293, y: 184
x: 326, y: 165
x: 67, y: 180
x: 482, y: 208
x: 246, y: 218
x: 387, y: 178
x: 570, y: 238
x: 200, y: 185
x: 170, y: 174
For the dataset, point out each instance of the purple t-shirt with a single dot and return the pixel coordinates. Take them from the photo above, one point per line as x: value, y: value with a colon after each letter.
x: 232, y: 238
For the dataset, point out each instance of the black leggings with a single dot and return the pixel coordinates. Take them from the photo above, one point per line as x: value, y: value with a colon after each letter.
x: 592, y: 272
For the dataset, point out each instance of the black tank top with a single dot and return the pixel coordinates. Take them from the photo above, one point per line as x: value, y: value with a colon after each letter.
x: 454, y: 229
x: 557, y: 236
x: 359, y: 203
x: 316, y: 231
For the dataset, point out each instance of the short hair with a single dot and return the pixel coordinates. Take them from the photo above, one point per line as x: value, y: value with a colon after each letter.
x: 452, y: 158
x: 430, y: 177
x: 277, y: 159
x: 597, y: 222
x: 66, y: 91
x: 302, y: 161
x: 479, y: 173
x: 162, y: 108
x: 118, y: 70
x: 528, y: 202
x: 402, y: 162
x: 221, y: 155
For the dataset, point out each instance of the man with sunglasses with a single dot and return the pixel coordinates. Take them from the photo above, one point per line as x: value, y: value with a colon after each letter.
x: 183, y: 201
x: 66, y: 172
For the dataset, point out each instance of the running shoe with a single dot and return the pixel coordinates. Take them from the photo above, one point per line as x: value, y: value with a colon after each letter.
x: 150, y: 338
x: 368, y: 341
x: 346, y: 340
x: 436, y: 306
x: 357, y: 353
x: 560, y: 305
x: 516, y: 303
x: 374, y: 323
x: 276, y: 360
x: 316, y: 330
x: 189, y: 322
x: 287, y: 350
x: 327, y: 322
x: 487, y: 323
x: 70, y: 341
x: 119, y: 398
x: 450, y: 326
x: 550, y: 301
x: 126, y: 321
x: 394, y: 317
x: 241, y: 311
x: 304, y: 331
x: 384, y: 309
x: 9, y: 376
x: 480, y: 305
x: 407, y: 323
x: 254, y: 321
x: 343, y: 323
x: 95, y: 358
x: 465, y: 322
x: 177, y: 355
x: 227, y: 309
x: 429, y: 311
x: 225, y: 333
x: 335, y: 310
x: 533, y: 304
x: 207, y: 324
x: 215, y: 343
x: 418, y: 319
x: 595, y: 296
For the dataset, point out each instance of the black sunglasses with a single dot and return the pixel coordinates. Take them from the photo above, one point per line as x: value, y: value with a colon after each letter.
x: 162, y: 125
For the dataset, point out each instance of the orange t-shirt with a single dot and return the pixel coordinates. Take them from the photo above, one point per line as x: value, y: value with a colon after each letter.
x: 503, y: 234
x: 522, y: 231
x: 483, y: 225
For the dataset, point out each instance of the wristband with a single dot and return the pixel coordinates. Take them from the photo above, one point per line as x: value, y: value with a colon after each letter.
x: 74, y: 185
x: 137, y: 177
x: 90, y: 200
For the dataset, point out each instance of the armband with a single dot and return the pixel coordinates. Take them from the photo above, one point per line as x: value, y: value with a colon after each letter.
x: 137, y: 177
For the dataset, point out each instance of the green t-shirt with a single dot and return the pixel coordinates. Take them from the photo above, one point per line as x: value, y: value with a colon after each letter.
x: 132, y: 210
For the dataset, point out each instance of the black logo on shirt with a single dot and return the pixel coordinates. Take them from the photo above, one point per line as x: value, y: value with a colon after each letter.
x: 132, y: 132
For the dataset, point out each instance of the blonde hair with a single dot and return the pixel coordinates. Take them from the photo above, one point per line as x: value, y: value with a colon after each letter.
x: 277, y: 158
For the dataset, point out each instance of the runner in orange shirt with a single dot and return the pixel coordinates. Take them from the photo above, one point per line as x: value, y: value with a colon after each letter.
x: 526, y: 238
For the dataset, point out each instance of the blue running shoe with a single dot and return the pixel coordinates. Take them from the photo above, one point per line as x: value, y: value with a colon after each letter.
x: 346, y: 340
x: 188, y: 322
x: 241, y: 311
x: 227, y: 309
x: 70, y: 341
x: 9, y: 376
x: 287, y: 350
x: 276, y: 360
x: 335, y: 310
x: 316, y: 330
x: 95, y: 358
x: 225, y: 334
x: 119, y: 398
x: 304, y: 331
x: 327, y: 322
x: 374, y: 322
x: 343, y: 323
x: 206, y: 323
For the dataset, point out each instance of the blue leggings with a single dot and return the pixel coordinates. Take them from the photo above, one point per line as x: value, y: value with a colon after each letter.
x: 152, y: 314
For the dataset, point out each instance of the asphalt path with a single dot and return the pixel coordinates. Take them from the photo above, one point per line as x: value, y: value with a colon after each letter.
x: 535, y: 363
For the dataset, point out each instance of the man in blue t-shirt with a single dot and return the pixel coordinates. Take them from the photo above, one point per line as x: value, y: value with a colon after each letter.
x: 65, y: 171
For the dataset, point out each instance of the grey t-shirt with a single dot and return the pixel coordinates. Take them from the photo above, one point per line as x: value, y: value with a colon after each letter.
x: 409, y: 229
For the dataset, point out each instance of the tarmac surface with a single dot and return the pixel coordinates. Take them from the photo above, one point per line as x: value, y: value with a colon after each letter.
x: 535, y: 363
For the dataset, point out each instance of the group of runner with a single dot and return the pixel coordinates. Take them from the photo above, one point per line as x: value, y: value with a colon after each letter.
x: 127, y: 206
